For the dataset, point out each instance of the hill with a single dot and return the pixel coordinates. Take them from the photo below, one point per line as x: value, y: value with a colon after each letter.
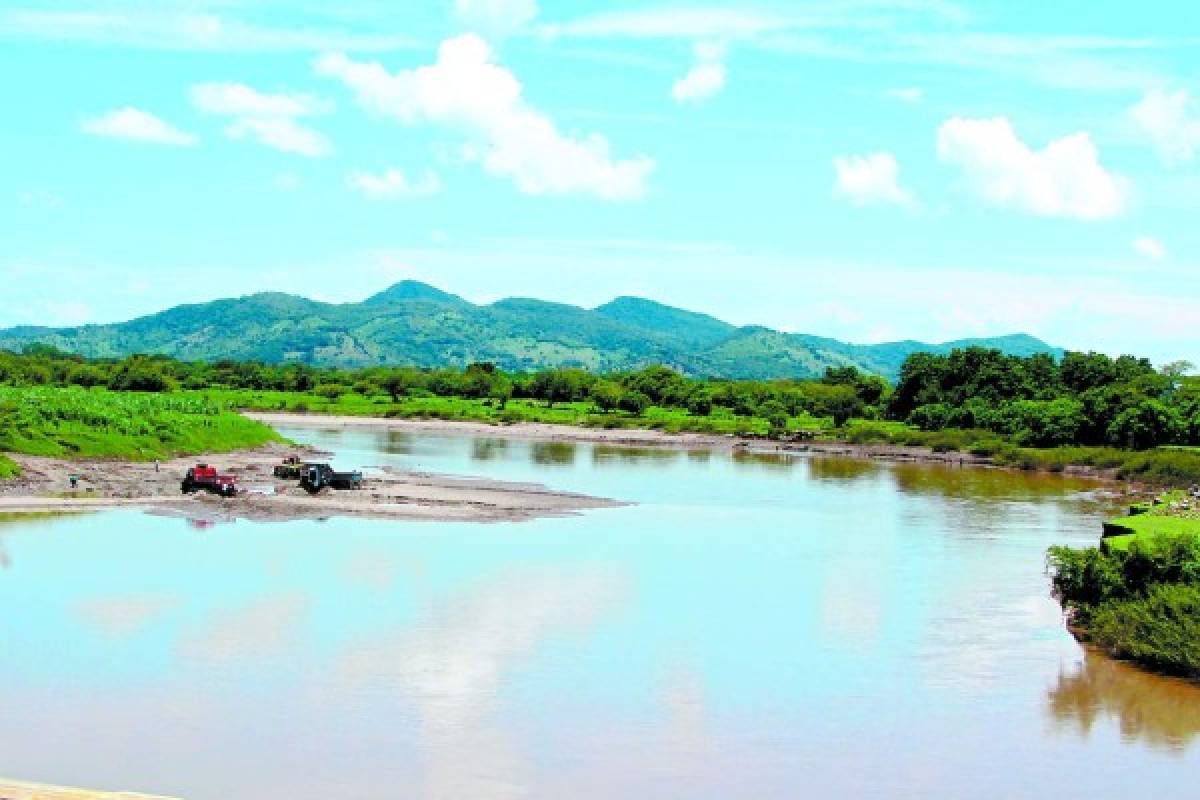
x: 414, y: 323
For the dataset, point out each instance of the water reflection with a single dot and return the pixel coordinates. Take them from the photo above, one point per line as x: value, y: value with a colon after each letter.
x: 981, y: 484
x: 456, y: 662
x: 842, y: 470
x: 394, y: 442
x: 488, y: 449
x: 770, y: 462
x: 1160, y: 712
x: 618, y: 455
x: 553, y: 454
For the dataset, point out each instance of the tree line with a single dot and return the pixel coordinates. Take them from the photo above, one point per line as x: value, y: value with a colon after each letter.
x: 1039, y: 401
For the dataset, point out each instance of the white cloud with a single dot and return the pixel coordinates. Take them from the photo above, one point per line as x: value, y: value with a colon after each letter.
x: 136, y: 125
x: 168, y: 30
x: 280, y: 133
x: 1150, y: 247
x: 237, y: 99
x: 1164, y: 118
x: 706, y: 78
x: 496, y: 16
x: 907, y: 94
x: 268, y: 118
x: 869, y: 179
x: 683, y: 23
x: 720, y: 21
x: 393, y: 183
x: 1063, y: 179
x: 466, y: 90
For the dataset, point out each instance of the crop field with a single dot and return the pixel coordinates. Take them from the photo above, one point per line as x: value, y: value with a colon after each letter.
x: 76, y: 422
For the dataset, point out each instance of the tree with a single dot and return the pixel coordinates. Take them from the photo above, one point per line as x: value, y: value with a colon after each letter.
x: 140, y: 374
x: 395, y: 383
x: 606, y: 395
x: 700, y: 402
x: 558, y: 385
x: 634, y: 402
x: 1146, y: 424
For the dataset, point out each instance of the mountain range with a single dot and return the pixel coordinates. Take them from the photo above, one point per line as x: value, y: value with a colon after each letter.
x: 413, y: 323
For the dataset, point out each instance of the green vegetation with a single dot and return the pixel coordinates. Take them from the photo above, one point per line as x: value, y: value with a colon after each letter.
x: 1138, y: 595
x: 8, y: 468
x: 412, y: 323
x: 1173, y: 513
x: 1028, y: 412
x: 581, y: 414
x: 77, y: 422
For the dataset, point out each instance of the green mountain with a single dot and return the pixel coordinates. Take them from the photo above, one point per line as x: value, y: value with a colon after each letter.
x: 414, y: 323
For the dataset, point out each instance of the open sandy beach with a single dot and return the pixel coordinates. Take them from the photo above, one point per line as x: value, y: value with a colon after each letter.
x: 389, y: 493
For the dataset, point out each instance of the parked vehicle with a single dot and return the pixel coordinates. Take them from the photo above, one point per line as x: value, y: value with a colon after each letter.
x: 290, y: 469
x: 206, y: 478
x: 316, y: 477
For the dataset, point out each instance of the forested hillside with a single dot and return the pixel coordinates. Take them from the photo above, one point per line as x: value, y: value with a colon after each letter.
x: 415, y: 324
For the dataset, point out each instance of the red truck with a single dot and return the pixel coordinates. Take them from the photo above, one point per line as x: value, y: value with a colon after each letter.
x: 202, y: 476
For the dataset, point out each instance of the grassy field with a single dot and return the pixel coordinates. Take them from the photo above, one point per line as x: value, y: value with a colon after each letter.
x: 1172, y: 514
x: 82, y: 423
x: 585, y: 414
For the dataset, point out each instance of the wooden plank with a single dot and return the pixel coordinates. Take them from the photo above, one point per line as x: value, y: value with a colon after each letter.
x: 17, y: 790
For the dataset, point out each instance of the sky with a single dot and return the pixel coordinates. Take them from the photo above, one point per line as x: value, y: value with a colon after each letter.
x: 869, y: 170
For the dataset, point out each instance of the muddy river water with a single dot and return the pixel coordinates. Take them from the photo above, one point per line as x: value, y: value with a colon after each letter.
x: 754, y: 627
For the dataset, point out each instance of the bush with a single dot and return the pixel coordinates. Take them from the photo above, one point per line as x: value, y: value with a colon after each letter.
x: 634, y: 402
x: 330, y: 391
x: 1161, y: 630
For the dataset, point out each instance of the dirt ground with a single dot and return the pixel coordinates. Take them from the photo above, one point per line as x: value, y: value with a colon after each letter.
x: 389, y: 493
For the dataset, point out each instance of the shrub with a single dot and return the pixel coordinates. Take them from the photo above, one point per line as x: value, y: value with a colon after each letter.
x: 1161, y: 630
x: 634, y: 402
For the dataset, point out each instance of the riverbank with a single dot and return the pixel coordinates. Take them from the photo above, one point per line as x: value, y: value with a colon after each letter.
x: 45, y: 486
x: 638, y: 437
x: 1137, y: 595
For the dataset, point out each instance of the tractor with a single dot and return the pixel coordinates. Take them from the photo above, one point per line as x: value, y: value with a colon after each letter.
x: 316, y: 477
x: 206, y: 478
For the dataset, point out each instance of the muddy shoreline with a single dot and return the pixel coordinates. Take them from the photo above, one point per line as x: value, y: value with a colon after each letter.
x: 45, y: 486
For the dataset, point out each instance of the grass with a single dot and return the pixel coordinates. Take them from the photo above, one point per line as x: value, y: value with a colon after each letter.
x: 1173, y: 513
x: 9, y: 469
x: 1165, y: 466
x: 82, y: 423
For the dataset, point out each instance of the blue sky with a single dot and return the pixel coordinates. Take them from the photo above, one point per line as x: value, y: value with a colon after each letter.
x: 865, y: 169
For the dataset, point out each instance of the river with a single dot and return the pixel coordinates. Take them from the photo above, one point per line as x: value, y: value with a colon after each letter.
x: 754, y: 626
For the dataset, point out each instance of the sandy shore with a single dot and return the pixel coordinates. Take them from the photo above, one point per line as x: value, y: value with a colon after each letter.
x: 14, y: 790
x: 390, y: 493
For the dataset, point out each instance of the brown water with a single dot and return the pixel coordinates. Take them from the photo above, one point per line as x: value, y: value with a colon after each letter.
x: 757, y: 626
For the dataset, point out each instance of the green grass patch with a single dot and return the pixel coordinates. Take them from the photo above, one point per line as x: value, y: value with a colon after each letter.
x: 75, y: 422
x: 9, y: 469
